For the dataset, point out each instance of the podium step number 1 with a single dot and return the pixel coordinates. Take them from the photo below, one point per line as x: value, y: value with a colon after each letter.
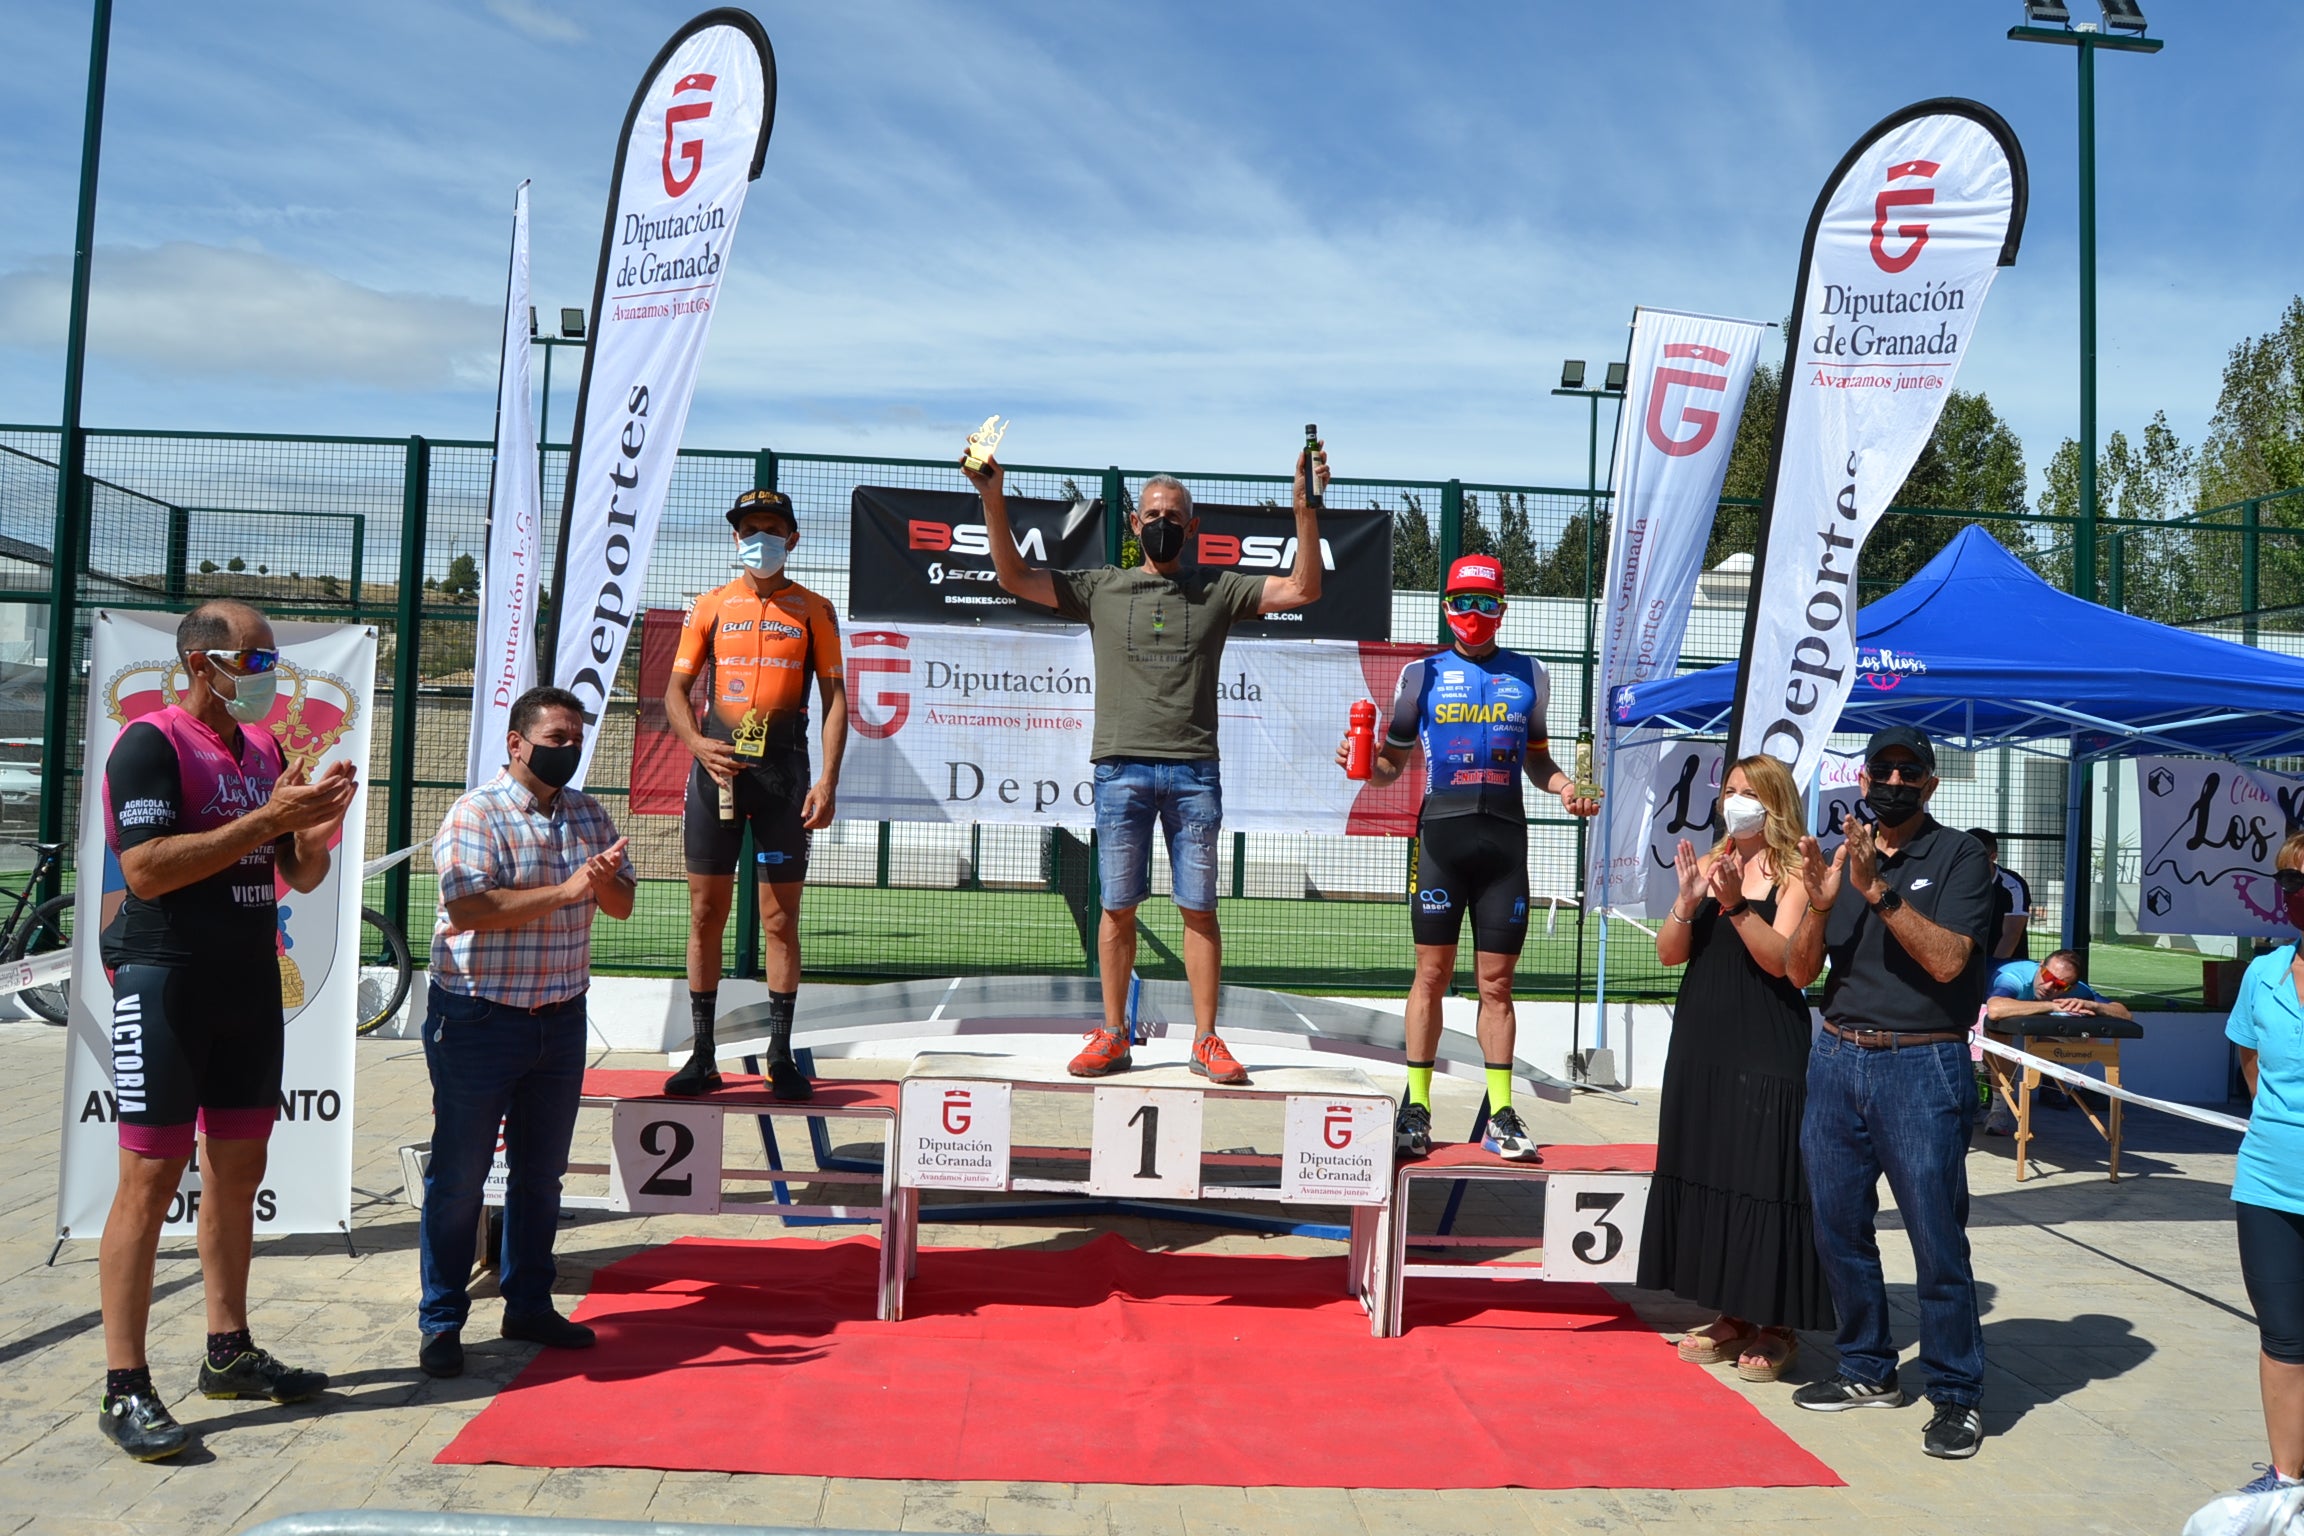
x: 1145, y: 1142
x: 1592, y: 1226
x: 664, y: 1157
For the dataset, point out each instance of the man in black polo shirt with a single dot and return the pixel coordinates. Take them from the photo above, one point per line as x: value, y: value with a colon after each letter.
x: 1904, y: 908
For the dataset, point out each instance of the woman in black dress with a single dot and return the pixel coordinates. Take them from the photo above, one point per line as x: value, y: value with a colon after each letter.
x: 1728, y: 1215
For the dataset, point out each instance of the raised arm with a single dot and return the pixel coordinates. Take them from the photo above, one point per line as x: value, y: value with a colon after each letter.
x: 1016, y: 578
x: 1302, y: 584
x: 1942, y: 953
x: 1816, y: 890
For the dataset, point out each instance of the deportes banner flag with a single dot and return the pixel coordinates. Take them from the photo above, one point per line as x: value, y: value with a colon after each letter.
x: 327, y: 683
x: 692, y: 144
x: 1688, y: 376
x: 505, y: 665
x: 1901, y: 250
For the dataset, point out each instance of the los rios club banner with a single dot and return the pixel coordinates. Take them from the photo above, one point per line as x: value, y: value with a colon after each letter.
x: 1900, y: 253
x: 2210, y: 829
x: 327, y: 679
x: 693, y: 142
x: 504, y: 666
x: 1688, y: 375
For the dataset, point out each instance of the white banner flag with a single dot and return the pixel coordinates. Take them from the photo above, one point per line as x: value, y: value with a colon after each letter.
x: 327, y: 679
x: 1901, y: 251
x: 2209, y: 830
x: 1688, y: 376
x: 1686, y: 780
x: 692, y: 144
x: 504, y: 666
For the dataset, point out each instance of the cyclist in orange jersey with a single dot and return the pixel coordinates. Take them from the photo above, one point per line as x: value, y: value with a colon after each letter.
x: 759, y: 641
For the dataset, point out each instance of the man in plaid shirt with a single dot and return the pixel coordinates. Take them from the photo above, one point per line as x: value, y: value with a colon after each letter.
x: 523, y: 861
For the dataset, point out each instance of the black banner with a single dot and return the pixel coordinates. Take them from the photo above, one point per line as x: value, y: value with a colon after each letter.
x: 926, y: 555
x: 1356, y: 553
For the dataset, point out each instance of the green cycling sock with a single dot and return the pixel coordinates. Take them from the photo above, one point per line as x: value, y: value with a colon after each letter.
x: 1420, y: 1083
x: 1499, y: 1086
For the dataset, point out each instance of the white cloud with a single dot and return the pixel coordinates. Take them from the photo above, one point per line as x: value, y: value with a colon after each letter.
x: 203, y: 311
x: 541, y: 22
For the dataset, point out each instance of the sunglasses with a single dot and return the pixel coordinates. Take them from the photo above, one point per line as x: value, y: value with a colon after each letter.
x: 248, y: 662
x: 1882, y: 769
x: 1473, y: 602
x: 2290, y: 881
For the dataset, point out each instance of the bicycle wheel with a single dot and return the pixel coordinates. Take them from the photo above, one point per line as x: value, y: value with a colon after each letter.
x: 386, y: 972
x: 47, y: 930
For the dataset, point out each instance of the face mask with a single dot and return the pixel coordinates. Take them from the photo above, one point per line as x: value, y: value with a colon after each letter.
x: 1895, y: 803
x: 1163, y: 539
x: 2294, y: 905
x: 762, y: 552
x: 252, y: 696
x: 1742, y: 813
x: 1474, y: 631
x: 554, y: 765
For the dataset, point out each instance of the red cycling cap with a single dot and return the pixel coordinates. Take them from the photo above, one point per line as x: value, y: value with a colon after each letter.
x: 1476, y: 573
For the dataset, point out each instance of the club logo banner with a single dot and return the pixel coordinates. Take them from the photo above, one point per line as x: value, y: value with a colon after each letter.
x: 1688, y: 375
x: 929, y: 554
x: 1900, y: 253
x: 327, y: 680
x: 504, y: 666
x: 692, y: 144
x: 2209, y: 831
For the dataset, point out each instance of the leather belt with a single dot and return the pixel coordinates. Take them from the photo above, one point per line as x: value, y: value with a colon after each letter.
x: 1892, y: 1039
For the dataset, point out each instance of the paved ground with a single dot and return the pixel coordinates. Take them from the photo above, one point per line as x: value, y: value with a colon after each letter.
x: 2122, y: 1392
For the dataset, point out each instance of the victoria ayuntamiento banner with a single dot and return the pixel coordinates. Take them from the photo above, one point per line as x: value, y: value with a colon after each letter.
x: 327, y: 688
x: 692, y: 144
x: 1688, y: 376
x: 504, y: 665
x: 1900, y: 252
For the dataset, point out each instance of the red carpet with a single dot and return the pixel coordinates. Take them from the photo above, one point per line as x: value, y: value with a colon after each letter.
x: 1107, y: 1364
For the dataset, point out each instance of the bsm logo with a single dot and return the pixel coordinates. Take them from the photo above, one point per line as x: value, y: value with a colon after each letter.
x: 1336, y: 1126
x: 1893, y: 198
x: 969, y: 539
x: 1257, y: 552
x: 690, y: 151
x: 1706, y: 423
x: 897, y: 701
x: 958, y: 1106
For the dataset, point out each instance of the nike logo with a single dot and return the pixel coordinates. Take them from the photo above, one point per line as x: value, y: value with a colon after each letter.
x: 1920, y: 884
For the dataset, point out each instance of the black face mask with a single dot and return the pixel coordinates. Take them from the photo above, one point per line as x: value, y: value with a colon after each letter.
x: 1163, y: 539
x: 1895, y: 803
x: 554, y: 765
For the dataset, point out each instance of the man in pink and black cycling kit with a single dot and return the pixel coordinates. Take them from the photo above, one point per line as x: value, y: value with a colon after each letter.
x: 202, y: 812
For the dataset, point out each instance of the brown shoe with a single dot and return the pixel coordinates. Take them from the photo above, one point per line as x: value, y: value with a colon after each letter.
x: 1768, y: 1356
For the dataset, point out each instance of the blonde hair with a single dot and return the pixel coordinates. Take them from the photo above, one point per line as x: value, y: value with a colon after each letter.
x: 2291, y: 854
x: 1772, y: 786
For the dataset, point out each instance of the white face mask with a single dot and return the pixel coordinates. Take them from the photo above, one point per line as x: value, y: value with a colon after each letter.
x: 762, y: 552
x: 1743, y: 814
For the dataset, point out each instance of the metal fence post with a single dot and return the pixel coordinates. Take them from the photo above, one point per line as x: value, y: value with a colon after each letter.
x: 179, y: 551
x: 407, y: 655
x: 1451, y: 542
x: 1115, y: 520
x: 2250, y: 528
x: 359, y: 558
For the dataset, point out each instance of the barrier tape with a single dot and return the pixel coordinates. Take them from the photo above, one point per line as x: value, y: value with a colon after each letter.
x: 39, y: 971
x: 1979, y: 1043
x: 375, y: 867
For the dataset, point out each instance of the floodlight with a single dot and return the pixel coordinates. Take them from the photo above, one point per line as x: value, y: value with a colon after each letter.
x: 531, y: 321
x: 1572, y: 375
x: 2123, y: 15
x: 1615, y: 383
x: 572, y: 324
x: 2047, y: 13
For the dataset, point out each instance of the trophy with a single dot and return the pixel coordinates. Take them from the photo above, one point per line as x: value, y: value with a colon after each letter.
x: 1583, y: 786
x: 750, y: 739
x: 982, y: 443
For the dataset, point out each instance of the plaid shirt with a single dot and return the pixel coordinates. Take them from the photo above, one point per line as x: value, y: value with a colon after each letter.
x: 498, y: 838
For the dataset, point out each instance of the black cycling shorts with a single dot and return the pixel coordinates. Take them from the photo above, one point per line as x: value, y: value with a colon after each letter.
x: 769, y: 795
x: 2272, y: 1268
x: 1476, y: 864
x: 196, y: 1043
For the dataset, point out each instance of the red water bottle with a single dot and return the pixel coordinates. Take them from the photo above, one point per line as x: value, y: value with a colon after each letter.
x: 1360, y: 741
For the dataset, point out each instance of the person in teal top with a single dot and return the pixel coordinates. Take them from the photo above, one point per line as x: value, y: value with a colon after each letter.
x: 2267, y: 1023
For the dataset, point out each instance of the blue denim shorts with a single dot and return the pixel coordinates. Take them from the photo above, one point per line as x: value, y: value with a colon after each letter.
x: 1187, y: 799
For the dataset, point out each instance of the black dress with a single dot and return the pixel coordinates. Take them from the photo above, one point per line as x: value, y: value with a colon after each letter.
x: 1729, y: 1223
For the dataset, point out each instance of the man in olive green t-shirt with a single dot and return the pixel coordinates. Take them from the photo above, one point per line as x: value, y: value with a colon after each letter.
x: 1158, y: 630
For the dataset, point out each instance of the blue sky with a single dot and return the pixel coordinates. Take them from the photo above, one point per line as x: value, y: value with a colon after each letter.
x: 1158, y: 234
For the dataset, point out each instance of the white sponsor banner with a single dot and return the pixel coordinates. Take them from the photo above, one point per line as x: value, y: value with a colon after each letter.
x: 693, y: 142
x: 327, y: 677
x: 953, y: 1133
x: 1902, y: 248
x: 1337, y: 1150
x: 2209, y: 831
x: 504, y: 666
x: 957, y: 723
x: 1688, y: 377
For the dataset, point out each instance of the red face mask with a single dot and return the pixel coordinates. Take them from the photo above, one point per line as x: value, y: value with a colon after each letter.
x: 1474, y: 630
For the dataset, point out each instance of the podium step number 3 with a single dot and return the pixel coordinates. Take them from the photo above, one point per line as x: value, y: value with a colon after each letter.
x: 664, y: 1158
x: 1592, y: 1226
x: 1145, y: 1142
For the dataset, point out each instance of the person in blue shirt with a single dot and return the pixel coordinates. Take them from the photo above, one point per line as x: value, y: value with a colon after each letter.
x: 2267, y: 1024
x: 2027, y: 988
x: 1477, y: 712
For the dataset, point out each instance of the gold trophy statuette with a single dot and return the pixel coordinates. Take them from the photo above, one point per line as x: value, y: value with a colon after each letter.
x: 982, y: 444
x: 750, y: 739
x: 1583, y: 786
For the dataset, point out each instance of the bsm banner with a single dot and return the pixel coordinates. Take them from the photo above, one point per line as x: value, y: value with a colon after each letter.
x: 2210, y: 830
x: 327, y: 680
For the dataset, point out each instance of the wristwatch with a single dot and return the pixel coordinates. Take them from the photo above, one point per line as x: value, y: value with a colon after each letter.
x: 1889, y: 901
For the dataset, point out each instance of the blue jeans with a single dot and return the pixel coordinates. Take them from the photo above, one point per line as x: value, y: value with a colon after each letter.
x: 1907, y: 1114
x: 1187, y: 799
x: 491, y: 1064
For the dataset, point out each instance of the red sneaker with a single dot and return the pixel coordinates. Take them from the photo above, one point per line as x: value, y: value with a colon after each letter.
x: 1107, y: 1053
x: 1212, y: 1061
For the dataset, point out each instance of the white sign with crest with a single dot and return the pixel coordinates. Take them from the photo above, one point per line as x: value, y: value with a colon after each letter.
x: 953, y: 1133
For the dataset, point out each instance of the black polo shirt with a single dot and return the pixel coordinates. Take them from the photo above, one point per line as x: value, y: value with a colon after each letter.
x: 1945, y: 876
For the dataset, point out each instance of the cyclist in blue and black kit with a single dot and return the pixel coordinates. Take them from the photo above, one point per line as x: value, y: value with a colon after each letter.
x: 1477, y: 711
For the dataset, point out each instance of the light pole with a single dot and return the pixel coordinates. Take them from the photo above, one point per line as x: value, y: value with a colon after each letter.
x: 571, y: 335
x: 2050, y: 21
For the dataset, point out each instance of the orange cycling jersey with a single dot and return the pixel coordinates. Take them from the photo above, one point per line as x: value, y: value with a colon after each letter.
x: 763, y: 652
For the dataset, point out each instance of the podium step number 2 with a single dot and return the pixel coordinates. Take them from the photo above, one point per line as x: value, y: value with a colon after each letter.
x: 664, y: 1157
x: 1145, y: 1142
x: 1592, y: 1226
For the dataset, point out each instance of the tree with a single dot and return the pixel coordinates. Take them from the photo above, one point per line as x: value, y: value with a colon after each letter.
x: 1562, y: 572
x: 2174, y: 576
x: 1415, y: 558
x: 263, y: 570
x: 463, y: 578
x: 1517, y: 546
x: 1475, y: 539
x: 235, y: 565
x: 2255, y: 448
x: 208, y: 567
